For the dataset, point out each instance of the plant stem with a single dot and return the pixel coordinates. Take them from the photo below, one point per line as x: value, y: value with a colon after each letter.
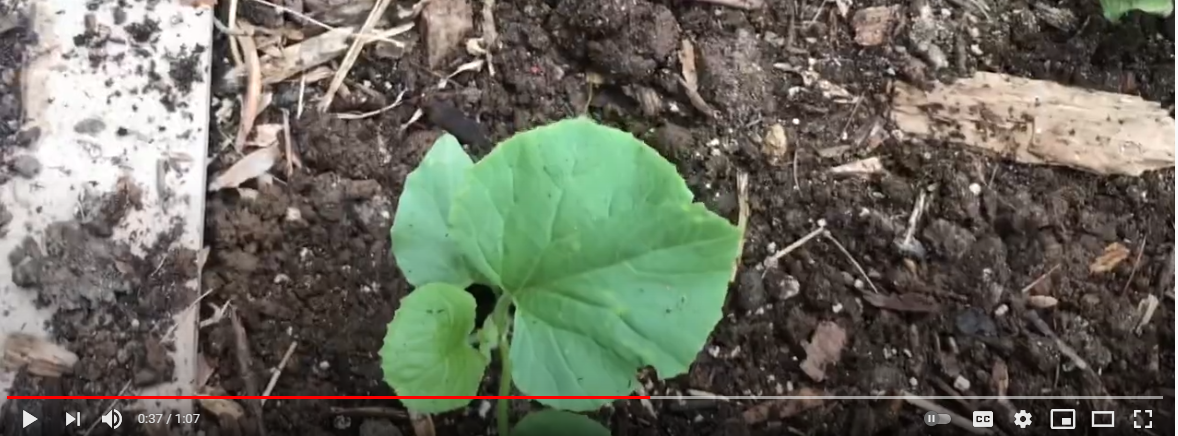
x: 502, y: 314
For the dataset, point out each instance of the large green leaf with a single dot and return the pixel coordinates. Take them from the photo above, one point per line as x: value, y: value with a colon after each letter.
x: 610, y: 265
x: 1114, y: 10
x: 427, y: 351
x: 556, y: 422
x: 422, y: 243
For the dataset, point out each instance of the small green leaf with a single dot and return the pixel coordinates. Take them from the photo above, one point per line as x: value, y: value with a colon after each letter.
x: 426, y: 350
x: 555, y: 422
x: 1114, y: 10
x: 610, y: 265
x: 488, y: 337
x: 421, y: 238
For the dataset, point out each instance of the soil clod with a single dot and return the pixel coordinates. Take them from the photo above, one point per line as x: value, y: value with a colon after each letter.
x: 26, y: 166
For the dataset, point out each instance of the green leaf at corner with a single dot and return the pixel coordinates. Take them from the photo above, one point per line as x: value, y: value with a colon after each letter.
x: 552, y: 422
x: 426, y: 351
x: 610, y: 265
x: 421, y: 237
x: 1114, y: 10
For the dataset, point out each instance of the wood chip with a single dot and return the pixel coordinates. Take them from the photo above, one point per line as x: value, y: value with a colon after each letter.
x: 252, y: 166
x: 1113, y: 255
x: 222, y: 408
x: 862, y: 168
x: 266, y: 135
x: 824, y: 349
x: 687, y: 65
x: 781, y: 409
x: 874, y: 25
x: 1146, y: 309
x: 41, y: 357
x: 298, y: 58
x: 445, y: 24
x: 1000, y: 378
x: 1042, y: 301
x: 1041, y: 122
x: 775, y: 143
x: 423, y: 425
x: 915, y: 303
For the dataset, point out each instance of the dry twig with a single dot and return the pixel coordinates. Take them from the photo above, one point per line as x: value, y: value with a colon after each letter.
x: 1136, y: 264
x: 191, y: 308
x: 353, y: 53
x: 369, y: 114
x: 783, y: 408
x: 244, y: 364
x: 854, y: 262
x: 771, y: 261
x: 253, y: 91
x: 292, y: 159
x: 742, y: 219
x: 1027, y: 289
x: 278, y: 370
x: 1064, y: 348
x: 747, y: 5
x: 490, y: 34
x: 233, y: 48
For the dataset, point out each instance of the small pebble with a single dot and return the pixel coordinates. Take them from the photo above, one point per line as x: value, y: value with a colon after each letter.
x: 378, y: 427
x: 961, y: 383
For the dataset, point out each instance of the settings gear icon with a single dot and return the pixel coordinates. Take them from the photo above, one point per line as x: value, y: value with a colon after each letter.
x: 1022, y: 419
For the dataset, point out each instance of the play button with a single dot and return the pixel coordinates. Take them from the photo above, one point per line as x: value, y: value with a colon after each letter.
x: 29, y: 419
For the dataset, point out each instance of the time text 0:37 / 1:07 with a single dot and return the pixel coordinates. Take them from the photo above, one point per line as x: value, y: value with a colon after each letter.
x: 168, y: 418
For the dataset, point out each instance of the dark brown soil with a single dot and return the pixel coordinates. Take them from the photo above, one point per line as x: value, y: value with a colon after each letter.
x: 308, y: 260
x: 327, y: 280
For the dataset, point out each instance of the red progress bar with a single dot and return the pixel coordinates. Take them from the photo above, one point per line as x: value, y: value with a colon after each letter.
x: 273, y: 397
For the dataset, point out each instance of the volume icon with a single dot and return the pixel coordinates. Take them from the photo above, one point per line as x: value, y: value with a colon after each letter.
x: 75, y: 418
x: 113, y: 419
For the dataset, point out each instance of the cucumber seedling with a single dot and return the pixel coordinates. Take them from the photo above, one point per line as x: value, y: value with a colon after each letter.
x: 600, y: 260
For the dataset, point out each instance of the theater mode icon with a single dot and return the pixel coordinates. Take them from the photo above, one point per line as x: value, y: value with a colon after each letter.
x: 1104, y: 419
